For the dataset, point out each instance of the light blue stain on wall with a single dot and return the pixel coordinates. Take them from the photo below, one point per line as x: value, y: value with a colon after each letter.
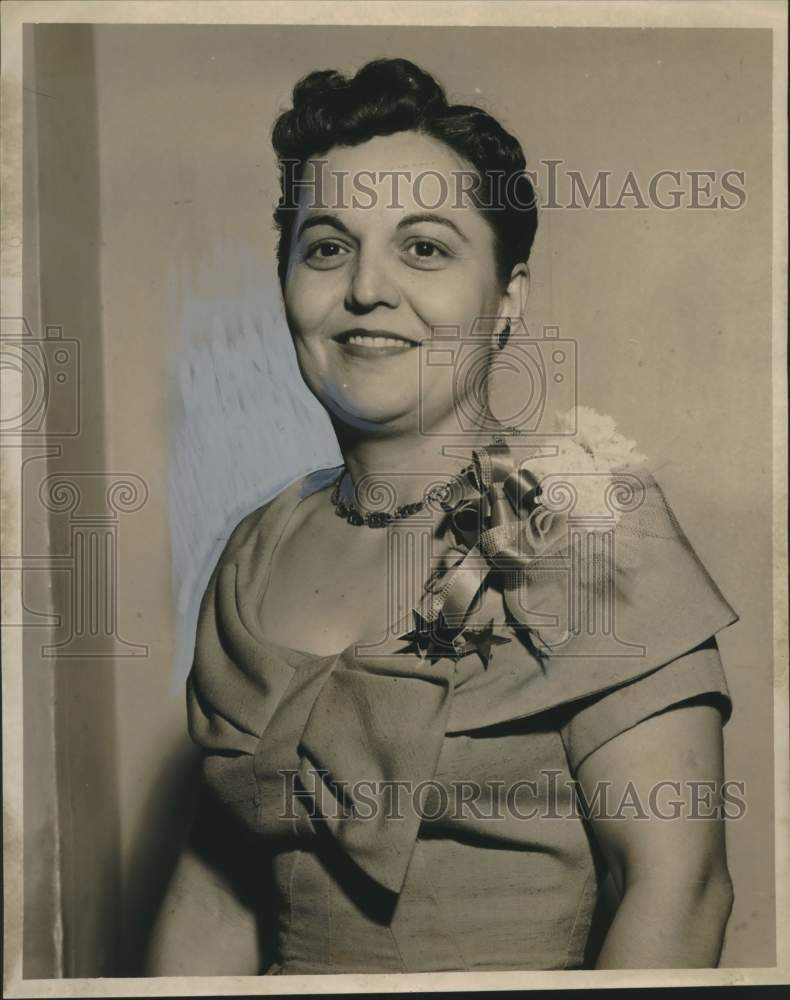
x: 242, y: 426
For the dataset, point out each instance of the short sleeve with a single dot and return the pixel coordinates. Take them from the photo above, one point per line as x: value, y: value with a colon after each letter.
x: 697, y: 675
x: 610, y: 624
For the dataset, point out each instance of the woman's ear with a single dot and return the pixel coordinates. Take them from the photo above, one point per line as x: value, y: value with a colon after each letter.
x: 514, y: 300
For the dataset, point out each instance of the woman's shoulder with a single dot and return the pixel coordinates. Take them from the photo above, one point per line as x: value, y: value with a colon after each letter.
x: 262, y: 523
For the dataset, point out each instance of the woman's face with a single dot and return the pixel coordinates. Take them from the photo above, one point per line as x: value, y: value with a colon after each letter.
x: 375, y: 267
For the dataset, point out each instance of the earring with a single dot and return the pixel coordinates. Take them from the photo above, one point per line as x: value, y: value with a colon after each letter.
x: 503, y: 336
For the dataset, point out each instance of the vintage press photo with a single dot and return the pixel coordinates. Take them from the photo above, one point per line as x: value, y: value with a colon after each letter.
x: 394, y: 462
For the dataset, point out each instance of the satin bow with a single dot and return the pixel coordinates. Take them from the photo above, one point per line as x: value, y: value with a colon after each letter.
x: 496, y: 511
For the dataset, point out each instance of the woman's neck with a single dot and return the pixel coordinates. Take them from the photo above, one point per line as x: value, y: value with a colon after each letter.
x: 408, y: 460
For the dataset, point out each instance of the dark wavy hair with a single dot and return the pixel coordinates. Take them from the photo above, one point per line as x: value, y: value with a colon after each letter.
x: 393, y: 95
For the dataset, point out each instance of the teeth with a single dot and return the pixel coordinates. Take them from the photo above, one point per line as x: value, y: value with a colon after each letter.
x: 377, y: 341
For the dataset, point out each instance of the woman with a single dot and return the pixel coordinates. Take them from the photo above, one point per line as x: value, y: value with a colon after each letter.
x: 401, y: 780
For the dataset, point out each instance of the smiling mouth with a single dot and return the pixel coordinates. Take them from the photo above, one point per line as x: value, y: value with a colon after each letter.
x: 367, y: 343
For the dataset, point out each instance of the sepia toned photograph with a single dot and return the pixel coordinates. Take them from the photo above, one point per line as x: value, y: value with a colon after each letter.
x: 394, y: 513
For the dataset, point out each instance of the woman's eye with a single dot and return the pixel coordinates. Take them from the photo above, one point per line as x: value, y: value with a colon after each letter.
x: 326, y: 253
x: 426, y: 252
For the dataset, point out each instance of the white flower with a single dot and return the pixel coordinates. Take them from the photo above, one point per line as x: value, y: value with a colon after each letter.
x: 598, y: 435
x: 592, y: 452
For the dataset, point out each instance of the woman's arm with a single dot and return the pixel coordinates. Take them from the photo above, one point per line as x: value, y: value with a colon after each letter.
x: 671, y: 873
x: 202, y: 929
x: 208, y: 924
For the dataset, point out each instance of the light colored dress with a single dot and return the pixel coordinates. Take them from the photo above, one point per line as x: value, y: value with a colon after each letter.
x: 493, y: 867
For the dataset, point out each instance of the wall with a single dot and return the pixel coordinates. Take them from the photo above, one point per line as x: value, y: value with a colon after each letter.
x: 670, y: 311
x: 72, y: 850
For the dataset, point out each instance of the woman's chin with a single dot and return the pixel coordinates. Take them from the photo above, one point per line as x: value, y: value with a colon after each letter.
x: 374, y: 418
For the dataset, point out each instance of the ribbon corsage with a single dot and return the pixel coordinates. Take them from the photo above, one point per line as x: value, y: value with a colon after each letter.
x: 533, y: 528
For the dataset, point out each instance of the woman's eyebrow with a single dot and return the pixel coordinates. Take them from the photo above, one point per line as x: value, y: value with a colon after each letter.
x: 322, y: 220
x: 415, y: 219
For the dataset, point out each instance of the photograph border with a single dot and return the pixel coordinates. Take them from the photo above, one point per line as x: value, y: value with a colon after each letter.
x: 490, y: 13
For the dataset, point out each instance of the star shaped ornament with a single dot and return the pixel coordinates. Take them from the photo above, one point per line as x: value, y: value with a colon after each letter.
x: 434, y: 640
x: 482, y: 640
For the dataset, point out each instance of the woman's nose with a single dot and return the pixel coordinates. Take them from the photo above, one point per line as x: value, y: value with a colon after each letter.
x: 371, y: 284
